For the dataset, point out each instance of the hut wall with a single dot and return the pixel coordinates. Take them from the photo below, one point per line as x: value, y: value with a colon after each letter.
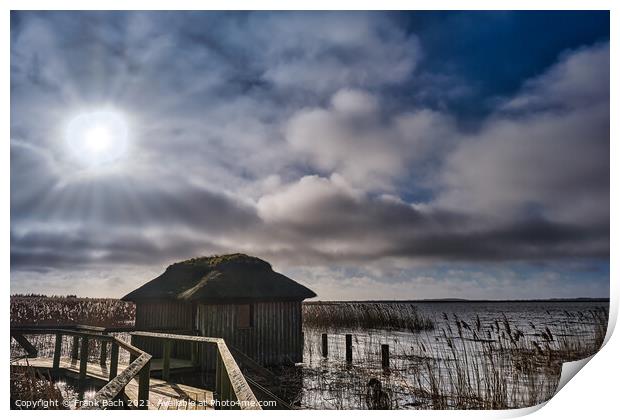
x: 274, y: 338
x: 165, y: 317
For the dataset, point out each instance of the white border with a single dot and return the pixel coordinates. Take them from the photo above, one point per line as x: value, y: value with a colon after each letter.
x: 592, y: 395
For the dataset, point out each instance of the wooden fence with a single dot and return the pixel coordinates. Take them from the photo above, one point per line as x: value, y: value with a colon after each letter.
x: 231, y: 388
x: 82, y: 335
x: 230, y: 384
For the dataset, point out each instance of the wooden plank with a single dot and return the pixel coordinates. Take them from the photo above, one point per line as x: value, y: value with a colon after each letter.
x: 113, y: 360
x: 238, y: 385
x: 166, y: 360
x: 57, y: 351
x: 115, y: 386
x: 75, y: 347
x: 90, y: 328
x: 179, y: 337
x: 26, y: 345
x: 171, y: 396
x: 65, y: 330
x: 90, y: 335
x: 143, y: 386
x: 83, y: 360
x: 103, y: 356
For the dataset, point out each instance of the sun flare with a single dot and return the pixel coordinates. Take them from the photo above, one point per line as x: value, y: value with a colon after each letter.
x: 97, y: 138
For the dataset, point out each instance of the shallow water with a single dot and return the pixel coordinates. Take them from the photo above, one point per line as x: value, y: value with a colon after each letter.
x: 421, y: 362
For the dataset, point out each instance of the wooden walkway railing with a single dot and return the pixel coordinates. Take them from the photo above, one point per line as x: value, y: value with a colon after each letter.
x: 231, y: 387
x: 79, y: 350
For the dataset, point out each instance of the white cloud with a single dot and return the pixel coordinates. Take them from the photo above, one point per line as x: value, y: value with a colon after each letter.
x: 354, y: 138
x: 579, y: 79
x: 552, y: 162
x: 324, y: 52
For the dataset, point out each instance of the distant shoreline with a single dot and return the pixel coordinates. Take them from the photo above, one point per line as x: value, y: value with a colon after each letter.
x: 440, y: 300
x: 456, y: 300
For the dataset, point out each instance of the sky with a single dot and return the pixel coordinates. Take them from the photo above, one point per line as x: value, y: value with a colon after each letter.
x: 396, y: 155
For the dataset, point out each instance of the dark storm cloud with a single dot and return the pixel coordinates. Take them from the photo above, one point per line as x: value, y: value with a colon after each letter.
x: 81, y: 248
x: 280, y: 135
x: 125, y: 204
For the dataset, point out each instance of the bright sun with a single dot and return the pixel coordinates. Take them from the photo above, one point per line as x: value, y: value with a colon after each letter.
x: 97, y: 138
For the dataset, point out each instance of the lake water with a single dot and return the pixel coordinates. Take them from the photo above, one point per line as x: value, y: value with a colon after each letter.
x: 469, y: 359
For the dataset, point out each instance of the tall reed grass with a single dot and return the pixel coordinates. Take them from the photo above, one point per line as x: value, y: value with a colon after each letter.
x: 364, y: 315
x: 41, y: 310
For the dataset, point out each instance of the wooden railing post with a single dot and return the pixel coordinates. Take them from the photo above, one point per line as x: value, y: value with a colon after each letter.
x: 218, y: 376
x: 104, y: 352
x: 114, y: 360
x: 225, y: 391
x: 57, y: 351
x: 143, y: 386
x: 223, y: 386
x: 133, y: 343
x: 75, y: 347
x: 83, y: 360
x: 166, y: 362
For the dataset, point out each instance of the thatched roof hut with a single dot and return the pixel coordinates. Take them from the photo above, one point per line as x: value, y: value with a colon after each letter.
x: 220, y: 279
x: 236, y: 297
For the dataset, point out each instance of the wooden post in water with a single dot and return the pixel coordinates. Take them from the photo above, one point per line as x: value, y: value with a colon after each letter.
x: 57, y: 351
x: 165, y: 374
x: 75, y: 347
x: 324, y: 344
x: 143, y: 386
x: 385, y: 356
x: 83, y: 362
x: 349, y: 348
x: 114, y: 360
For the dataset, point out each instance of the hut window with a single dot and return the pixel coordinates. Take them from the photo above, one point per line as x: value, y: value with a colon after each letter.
x: 245, y: 316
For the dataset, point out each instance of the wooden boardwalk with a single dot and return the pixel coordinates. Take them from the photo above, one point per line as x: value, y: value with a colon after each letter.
x: 163, y: 395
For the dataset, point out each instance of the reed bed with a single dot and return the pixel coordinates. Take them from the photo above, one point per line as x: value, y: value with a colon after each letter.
x: 365, y: 315
x: 42, y: 310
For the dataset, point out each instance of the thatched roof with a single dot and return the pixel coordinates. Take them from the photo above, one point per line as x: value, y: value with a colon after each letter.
x: 221, y: 278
